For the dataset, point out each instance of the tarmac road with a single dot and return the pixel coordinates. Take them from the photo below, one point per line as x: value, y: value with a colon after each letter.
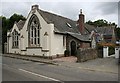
x: 21, y: 70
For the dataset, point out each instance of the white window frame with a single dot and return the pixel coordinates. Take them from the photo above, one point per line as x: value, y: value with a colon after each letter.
x: 34, y: 32
x: 15, y: 39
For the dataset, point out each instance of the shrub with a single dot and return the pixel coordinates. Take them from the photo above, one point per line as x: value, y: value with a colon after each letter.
x: 111, y: 50
x: 66, y: 53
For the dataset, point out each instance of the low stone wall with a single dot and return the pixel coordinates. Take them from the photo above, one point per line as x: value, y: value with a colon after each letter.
x: 86, y: 54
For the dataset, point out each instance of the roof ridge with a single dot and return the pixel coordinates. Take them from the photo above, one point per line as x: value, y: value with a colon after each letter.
x: 59, y: 22
x: 20, y: 21
x: 57, y: 15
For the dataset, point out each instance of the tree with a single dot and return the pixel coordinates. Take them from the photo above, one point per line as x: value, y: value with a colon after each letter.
x: 117, y: 30
x: 7, y: 24
x: 4, y: 30
x: 90, y: 22
x: 13, y: 18
x: 100, y: 23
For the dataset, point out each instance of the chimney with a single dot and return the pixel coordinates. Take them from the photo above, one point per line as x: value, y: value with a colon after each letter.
x: 81, y: 22
x: 34, y: 7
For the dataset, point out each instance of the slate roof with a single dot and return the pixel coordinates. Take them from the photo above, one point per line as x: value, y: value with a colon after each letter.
x: 80, y: 37
x: 65, y: 25
x: 105, y: 30
x: 61, y: 24
x: 89, y: 28
x: 20, y: 24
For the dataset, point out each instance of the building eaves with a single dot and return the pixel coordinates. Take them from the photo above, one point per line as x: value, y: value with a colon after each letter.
x: 81, y: 37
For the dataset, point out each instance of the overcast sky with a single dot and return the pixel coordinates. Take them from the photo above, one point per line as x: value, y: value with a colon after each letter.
x: 92, y: 9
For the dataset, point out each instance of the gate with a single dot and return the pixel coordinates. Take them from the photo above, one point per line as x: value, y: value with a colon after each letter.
x: 100, y: 51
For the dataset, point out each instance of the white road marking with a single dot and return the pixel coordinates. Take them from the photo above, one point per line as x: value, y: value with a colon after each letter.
x: 40, y: 75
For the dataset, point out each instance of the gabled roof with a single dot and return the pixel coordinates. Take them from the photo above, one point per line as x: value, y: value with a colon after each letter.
x: 80, y: 37
x: 62, y: 24
x: 20, y: 24
x: 65, y: 25
x: 108, y: 30
x: 89, y: 28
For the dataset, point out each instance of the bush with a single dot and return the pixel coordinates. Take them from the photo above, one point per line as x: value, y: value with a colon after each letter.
x: 66, y: 53
x: 111, y: 50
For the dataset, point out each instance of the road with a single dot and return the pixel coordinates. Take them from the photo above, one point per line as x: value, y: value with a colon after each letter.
x: 21, y: 70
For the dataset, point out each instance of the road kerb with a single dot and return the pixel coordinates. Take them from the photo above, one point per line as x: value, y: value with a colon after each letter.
x: 33, y: 60
x: 57, y: 64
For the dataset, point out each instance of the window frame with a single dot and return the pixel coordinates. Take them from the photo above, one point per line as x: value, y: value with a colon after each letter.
x: 34, y: 31
x: 15, y: 39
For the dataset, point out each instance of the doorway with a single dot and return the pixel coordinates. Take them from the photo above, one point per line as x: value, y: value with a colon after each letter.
x: 73, y: 48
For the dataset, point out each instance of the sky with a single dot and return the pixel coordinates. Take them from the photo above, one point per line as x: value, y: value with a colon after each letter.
x: 92, y: 9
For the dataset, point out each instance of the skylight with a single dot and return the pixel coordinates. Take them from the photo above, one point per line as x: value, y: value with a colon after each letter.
x: 69, y: 25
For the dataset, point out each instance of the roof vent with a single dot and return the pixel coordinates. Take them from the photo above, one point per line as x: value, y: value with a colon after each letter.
x: 69, y: 25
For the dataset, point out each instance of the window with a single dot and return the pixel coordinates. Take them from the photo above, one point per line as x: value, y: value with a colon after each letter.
x: 69, y: 25
x: 34, y: 31
x: 15, y: 39
x: 64, y: 41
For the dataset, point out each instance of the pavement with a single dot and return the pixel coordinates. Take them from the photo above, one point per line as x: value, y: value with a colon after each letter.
x: 109, y: 64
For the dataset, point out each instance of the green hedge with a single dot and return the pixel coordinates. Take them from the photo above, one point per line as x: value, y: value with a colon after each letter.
x: 111, y: 50
x: 66, y: 53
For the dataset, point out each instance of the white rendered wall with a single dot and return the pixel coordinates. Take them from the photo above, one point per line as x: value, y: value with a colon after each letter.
x: 34, y: 51
x: 14, y: 50
x: 93, y: 43
x: 105, y: 51
x: 22, y: 44
x: 55, y: 41
x: 45, y: 27
x: 57, y: 44
x: 117, y: 52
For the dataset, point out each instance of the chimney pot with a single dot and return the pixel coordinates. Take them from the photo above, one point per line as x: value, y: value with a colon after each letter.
x: 81, y: 22
x: 35, y: 7
x: 80, y: 11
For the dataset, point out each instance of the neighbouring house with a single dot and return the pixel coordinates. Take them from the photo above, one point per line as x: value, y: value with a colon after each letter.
x: 47, y: 34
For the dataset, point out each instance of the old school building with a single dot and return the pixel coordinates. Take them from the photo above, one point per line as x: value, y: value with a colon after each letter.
x: 47, y: 34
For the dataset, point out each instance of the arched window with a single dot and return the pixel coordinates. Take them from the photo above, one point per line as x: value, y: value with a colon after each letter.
x: 15, y: 39
x: 34, y: 31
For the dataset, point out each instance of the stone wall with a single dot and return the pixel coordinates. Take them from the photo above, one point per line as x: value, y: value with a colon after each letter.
x: 86, y: 54
x: 78, y: 42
